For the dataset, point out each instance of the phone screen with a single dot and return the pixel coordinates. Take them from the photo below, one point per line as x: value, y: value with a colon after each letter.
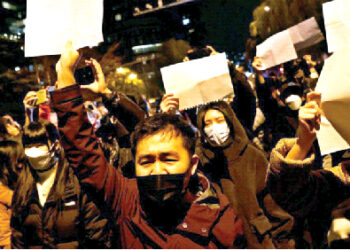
x: 42, y: 96
x: 84, y: 76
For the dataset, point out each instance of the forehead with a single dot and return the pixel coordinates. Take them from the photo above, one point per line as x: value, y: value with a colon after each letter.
x: 162, y: 141
x: 36, y: 145
x: 213, y: 114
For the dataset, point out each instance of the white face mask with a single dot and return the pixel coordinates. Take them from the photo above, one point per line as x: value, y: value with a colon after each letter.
x: 41, y: 160
x: 293, y: 102
x: 218, y: 133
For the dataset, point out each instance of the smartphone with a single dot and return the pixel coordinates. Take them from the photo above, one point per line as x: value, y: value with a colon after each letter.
x: 84, y: 76
x: 42, y: 96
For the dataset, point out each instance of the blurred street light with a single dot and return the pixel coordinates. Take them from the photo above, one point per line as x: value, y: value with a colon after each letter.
x: 132, y: 76
x: 120, y: 70
x: 267, y: 8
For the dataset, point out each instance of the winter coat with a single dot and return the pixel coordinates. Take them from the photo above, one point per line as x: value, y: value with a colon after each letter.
x: 116, y: 137
x: 314, y: 197
x: 209, y: 222
x: 5, y: 216
x: 240, y: 169
x: 78, y: 225
x: 244, y: 97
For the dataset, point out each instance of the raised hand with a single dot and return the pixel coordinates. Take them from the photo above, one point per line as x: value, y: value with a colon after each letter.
x: 65, y: 67
x: 169, y: 102
x: 309, y: 122
x: 258, y: 64
x: 99, y: 86
x: 30, y: 100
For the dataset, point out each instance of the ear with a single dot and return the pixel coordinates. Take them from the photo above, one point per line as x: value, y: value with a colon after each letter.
x: 194, y: 164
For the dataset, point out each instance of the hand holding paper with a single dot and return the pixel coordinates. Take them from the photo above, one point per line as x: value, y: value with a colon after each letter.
x: 309, y: 120
x: 65, y: 67
x: 198, y: 81
x: 334, y: 84
x: 169, y: 102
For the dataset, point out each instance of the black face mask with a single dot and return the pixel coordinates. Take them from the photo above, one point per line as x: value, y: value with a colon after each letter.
x: 162, y: 199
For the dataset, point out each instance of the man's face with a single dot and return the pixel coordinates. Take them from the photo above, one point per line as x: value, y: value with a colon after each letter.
x: 163, y: 153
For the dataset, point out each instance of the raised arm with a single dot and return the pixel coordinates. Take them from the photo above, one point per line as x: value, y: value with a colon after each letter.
x: 78, y: 139
x: 291, y: 182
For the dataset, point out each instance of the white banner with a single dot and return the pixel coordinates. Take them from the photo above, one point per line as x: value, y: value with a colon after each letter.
x: 198, y: 81
x: 334, y: 85
x: 51, y: 23
x: 276, y: 49
x: 337, y: 24
x: 306, y: 34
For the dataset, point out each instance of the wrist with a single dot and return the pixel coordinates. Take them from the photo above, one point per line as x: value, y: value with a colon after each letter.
x: 106, y: 92
x: 65, y: 80
x: 300, y: 150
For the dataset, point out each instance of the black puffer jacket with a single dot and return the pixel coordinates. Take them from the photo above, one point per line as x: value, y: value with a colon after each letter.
x: 78, y: 225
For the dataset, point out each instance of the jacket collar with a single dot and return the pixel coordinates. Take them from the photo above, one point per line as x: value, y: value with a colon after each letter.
x: 69, y: 191
x: 205, y: 210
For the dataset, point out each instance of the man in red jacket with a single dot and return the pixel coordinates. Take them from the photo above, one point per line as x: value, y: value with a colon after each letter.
x: 169, y: 204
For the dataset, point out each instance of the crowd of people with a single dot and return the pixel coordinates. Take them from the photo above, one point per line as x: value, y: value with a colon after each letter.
x: 92, y: 168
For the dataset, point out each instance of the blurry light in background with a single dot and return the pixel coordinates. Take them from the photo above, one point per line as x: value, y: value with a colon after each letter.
x: 17, y: 68
x: 267, y: 8
x: 137, y: 10
x: 120, y: 70
x: 9, y: 6
x: 186, y: 21
x: 118, y: 17
x: 132, y: 76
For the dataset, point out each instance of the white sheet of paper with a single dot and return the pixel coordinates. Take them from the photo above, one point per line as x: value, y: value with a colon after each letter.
x: 329, y: 139
x: 276, y: 49
x: 334, y: 85
x: 198, y: 81
x: 306, y: 34
x: 51, y: 23
x: 337, y: 24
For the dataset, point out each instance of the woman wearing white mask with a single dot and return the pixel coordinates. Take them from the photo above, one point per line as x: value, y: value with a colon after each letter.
x: 50, y: 210
x: 231, y: 161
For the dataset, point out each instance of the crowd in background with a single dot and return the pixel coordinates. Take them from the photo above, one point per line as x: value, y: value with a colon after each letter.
x: 78, y: 173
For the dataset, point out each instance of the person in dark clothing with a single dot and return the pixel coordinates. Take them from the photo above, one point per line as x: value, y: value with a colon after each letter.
x: 11, y: 163
x: 319, y: 198
x: 244, y: 103
x: 50, y: 209
x: 231, y: 161
x: 169, y: 204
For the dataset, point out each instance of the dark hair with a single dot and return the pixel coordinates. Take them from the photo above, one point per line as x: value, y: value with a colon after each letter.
x: 3, y: 129
x: 167, y: 123
x: 41, y: 131
x: 11, y: 153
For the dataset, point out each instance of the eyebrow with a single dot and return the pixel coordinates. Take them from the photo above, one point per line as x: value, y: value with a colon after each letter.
x: 165, y: 154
